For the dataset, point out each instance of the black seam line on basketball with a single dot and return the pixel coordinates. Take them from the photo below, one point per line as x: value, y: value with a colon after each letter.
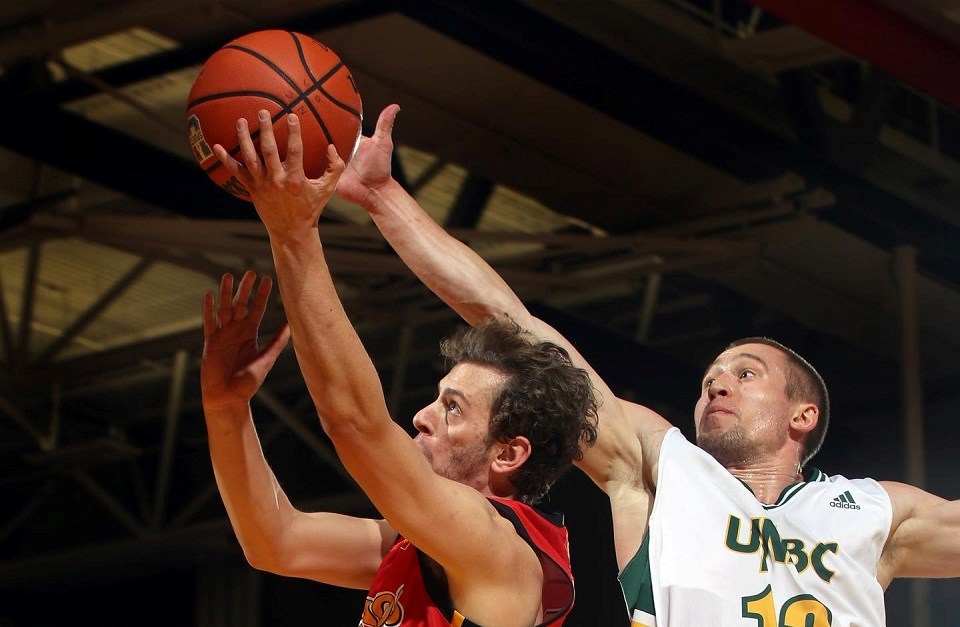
x: 292, y: 83
x: 303, y: 59
x: 342, y: 105
x: 273, y: 66
x: 230, y: 94
x: 318, y: 83
x: 284, y: 110
x: 318, y: 86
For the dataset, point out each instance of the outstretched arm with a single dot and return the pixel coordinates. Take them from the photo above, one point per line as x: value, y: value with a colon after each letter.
x: 452, y: 523
x: 623, y: 461
x: 275, y: 536
x: 924, y: 538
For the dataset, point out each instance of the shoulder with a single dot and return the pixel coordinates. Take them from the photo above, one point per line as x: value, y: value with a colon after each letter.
x: 543, y: 530
x: 545, y: 533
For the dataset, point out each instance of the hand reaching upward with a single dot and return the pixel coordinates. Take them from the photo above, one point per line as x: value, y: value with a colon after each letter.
x: 289, y: 204
x: 370, y: 168
x: 233, y: 367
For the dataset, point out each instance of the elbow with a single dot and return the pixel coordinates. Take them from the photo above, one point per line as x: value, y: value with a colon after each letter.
x: 260, y: 561
x: 261, y: 558
x: 266, y: 558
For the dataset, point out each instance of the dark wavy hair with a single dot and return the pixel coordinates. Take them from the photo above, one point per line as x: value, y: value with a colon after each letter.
x: 804, y: 383
x: 546, y: 399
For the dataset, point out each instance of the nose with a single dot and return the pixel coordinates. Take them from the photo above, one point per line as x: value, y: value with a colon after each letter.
x: 720, y: 386
x: 421, y: 421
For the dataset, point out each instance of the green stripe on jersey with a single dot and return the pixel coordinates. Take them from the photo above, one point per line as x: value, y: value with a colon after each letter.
x: 635, y: 581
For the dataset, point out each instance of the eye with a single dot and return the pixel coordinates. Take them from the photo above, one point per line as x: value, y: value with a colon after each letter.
x: 450, y: 407
x: 707, y: 383
x: 747, y: 374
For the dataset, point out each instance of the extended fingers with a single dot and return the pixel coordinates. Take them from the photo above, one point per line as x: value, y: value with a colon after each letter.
x: 224, y: 308
x: 209, y: 317
x: 247, y: 150
x: 243, y: 294
x: 294, y: 161
x: 268, y: 144
x: 260, y: 299
x: 233, y: 166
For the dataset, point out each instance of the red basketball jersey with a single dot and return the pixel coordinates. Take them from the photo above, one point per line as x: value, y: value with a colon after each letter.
x: 405, y: 593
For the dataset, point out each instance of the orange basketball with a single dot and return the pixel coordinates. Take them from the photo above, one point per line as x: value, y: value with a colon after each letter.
x: 282, y: 72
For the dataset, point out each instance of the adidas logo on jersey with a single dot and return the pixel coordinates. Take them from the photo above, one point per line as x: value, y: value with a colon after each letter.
x: 844, y: 501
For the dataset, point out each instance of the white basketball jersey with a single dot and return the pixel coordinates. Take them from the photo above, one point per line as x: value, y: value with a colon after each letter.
x: 719, y: 557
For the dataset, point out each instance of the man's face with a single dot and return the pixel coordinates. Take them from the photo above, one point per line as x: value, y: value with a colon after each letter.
x: 743, y: 413
x: 454, y: 428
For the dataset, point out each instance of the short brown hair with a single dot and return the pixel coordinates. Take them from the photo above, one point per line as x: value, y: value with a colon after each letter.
x: 546, y: 399
x: 803, y: 383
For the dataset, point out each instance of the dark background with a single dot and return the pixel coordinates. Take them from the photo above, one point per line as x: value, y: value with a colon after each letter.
x: 654, y: 177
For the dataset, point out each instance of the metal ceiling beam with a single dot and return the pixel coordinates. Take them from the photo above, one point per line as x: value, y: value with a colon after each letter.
x: 99, y: 365
x: 589, y: 72
x: 117, y: 560
x: 470, y: 203
x: 922, y: 58
x: 13, y: 412
x: 322, y: 450
x: 20, y: 354
x: 123, y: 163
x: 109, y: 502
x: 75, y: 144
x: 651, y: 375
x: 186, y: 55
x: 84, y: 319
x: 6, y: 335
x: 193, y: 53
x: 171, y: 422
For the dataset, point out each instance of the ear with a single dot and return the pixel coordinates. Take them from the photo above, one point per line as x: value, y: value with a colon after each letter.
x: 511, y: 454
x: 806, y: 418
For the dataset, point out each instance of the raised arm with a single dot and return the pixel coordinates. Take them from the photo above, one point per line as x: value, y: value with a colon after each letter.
x: 924, y: 537
x: 623, y: 461
x: 453, y: 524
x: 275, y: 536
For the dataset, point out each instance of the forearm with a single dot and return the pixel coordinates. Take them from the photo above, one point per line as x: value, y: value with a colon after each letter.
x: 451, y: 269
x: 275, y: 536
x: 339, y: 374
x: 463, y: 280
x: 258, y: 509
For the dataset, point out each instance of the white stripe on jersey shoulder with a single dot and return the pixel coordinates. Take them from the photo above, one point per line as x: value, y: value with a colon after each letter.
x: 643, y: 619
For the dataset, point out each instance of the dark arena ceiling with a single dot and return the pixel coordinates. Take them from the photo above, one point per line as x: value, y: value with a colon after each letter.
x: 654, y: 177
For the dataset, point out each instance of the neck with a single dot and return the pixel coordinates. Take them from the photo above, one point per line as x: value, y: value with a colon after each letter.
x: 767, y: 479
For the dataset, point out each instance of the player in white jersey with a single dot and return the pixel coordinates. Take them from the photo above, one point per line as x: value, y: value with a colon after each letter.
x: 721, y: 557
x: 738, y: 536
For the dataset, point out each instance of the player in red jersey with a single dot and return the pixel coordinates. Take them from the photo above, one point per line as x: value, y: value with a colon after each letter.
x: 460, y: 543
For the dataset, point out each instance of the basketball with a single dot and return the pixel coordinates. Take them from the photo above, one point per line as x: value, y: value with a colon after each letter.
x: 283, y: 72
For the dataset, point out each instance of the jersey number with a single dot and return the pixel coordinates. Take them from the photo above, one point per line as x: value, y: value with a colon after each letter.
x: 801, y: 611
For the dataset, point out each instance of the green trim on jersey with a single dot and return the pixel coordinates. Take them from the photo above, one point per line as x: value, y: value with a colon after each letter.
x: 635, y: 580
x: 811, y: 476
